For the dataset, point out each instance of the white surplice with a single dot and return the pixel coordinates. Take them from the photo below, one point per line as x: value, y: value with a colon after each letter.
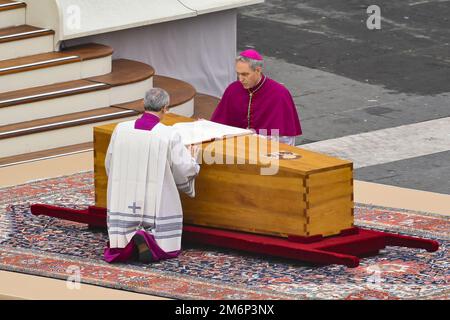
x: 145, y: 171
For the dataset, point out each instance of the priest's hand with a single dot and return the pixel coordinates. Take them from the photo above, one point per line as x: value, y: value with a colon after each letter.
x: 195, y: 151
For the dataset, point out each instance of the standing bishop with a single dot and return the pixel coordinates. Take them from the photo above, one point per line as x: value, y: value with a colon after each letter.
x: 257, y: 102
x: 147, y: 164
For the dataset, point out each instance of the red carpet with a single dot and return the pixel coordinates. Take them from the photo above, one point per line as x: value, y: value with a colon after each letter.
x: 344, y: 249
x: 49, y: 247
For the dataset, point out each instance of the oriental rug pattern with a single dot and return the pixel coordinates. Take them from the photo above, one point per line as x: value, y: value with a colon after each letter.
x: 49, y: 247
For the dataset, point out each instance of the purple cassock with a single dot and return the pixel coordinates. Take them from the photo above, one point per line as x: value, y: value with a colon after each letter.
x: 146, y: 122
x: 268, y: 105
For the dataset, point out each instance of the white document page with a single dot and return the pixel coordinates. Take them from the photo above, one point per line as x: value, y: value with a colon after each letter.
x: 204, y: 130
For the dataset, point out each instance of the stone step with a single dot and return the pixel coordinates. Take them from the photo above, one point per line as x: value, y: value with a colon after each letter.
x: 204, y: 106
x: 52, y: 100
x: 48, y: 68
x: 46, y: 154
x: 137, y: 75
x: 12, y: 13
x: 56, y: 132
x: 181, y: 96
x: 24, y: 40
x: 128, y: 81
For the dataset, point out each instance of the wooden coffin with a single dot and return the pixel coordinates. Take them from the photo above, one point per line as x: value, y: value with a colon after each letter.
x: 308, y: 196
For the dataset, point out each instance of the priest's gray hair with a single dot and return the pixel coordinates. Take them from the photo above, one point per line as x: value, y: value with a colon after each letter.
x: 156, y: 99
x: 252, y: 62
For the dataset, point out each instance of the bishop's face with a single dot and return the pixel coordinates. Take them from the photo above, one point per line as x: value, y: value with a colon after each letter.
x: 248, y: 77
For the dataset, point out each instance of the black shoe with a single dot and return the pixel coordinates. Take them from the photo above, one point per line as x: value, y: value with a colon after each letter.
x: 135, y: 254
x: 145, y: 255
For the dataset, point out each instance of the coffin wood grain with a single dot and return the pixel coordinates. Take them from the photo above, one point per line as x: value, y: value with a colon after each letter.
x: 293, y: 202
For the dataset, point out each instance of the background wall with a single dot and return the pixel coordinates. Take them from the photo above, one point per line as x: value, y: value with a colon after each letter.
x: 199, y: 50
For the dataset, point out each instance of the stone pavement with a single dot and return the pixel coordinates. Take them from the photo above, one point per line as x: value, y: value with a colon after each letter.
x: 388, y: 145
x: 378, y: 97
